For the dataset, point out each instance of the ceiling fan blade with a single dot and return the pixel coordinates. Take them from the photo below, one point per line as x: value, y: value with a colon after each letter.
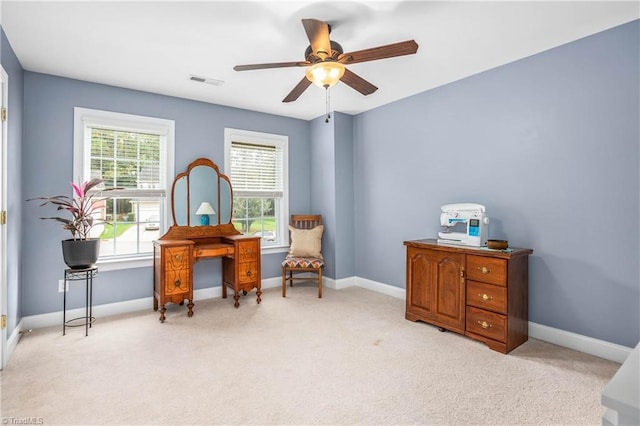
x: 318, y: 34
x: 271, y: 65
x: 358, y: 83
x: 402, y: 48
x: 297, y: 91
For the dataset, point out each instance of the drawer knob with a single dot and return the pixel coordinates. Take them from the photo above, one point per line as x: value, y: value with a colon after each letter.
x: 485, y: 296
x: 177, y: 283
x: 178, y: 257
x: 484, y: 270
x: 248, y: 272
x: 484, y: 324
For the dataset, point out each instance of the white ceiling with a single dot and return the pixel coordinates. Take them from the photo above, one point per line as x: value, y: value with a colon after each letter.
x: 155, y: 46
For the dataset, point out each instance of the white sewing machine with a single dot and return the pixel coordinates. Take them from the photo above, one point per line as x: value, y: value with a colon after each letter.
x: 472, y: 216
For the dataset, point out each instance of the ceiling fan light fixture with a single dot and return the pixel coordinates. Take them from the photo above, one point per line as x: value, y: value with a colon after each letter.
x: 325, y: 74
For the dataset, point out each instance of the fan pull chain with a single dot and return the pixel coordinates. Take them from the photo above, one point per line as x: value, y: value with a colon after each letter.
x: 328, y: 104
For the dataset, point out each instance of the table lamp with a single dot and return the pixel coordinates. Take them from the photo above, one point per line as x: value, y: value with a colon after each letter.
x: 204, y: 211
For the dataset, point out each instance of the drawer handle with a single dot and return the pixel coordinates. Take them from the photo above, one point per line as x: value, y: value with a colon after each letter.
x: 248, y: 272
x: 485, y: 296
x: 484, y: 270
x: 484, y: 324
x: 178, y: 257
x: 177, y: 283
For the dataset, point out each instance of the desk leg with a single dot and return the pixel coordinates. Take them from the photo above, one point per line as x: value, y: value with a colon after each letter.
x: 258, y: 294
x: 190, y: 306
x: 224, y: 290
x: 236, y: 297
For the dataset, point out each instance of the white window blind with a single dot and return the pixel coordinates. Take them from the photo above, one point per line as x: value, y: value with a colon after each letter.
x: 127, y: 160
x: 257, y: 165
x: 256, y: 170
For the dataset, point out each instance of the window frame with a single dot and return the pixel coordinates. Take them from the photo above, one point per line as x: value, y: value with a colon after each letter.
x: 269, y: 139
x: 84, y: 117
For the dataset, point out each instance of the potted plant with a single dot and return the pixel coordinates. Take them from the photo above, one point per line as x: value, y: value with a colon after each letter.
x: 81, y: 251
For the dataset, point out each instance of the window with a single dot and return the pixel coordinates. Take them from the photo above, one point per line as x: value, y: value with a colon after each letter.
x: 256, y: 164
x: 134, y: 153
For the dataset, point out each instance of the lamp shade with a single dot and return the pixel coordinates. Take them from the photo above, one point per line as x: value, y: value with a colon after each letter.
x: 325, y: 74
x: 205, y: 208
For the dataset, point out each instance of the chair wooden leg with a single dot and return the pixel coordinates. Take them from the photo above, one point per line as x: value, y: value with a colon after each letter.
x: 284, y: 282
x: 290, y: 278
x: 320, y: 283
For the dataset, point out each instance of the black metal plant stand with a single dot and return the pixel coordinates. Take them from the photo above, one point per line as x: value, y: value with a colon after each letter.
x: 79, y: 275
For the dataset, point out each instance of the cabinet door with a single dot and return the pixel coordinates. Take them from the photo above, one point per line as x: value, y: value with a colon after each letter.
x: 436, y: 287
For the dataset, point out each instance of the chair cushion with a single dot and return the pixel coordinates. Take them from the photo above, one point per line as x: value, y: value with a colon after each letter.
x: 302, y: 262
x: 306, y: 242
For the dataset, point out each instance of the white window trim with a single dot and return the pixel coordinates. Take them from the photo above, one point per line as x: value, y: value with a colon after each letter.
x: 83, y: 117
x: 260, y: 138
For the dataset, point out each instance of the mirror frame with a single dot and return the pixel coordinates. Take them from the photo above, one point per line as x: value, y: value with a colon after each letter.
x: 187, y: 232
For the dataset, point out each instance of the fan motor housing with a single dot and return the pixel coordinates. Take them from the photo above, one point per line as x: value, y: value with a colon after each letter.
x: 336, y: 50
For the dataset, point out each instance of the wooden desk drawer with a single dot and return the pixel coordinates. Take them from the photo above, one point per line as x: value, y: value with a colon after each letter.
x: 487, y: 296
x: 487, y: 270
x: 248, y: 251
x: 247, y: 272
x: 213, y: 250
x: 177, y: 258
x: 176, y: 282
x: 485, y: 323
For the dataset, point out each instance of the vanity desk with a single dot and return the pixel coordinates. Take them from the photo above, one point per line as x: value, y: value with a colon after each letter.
x: 192, y: 238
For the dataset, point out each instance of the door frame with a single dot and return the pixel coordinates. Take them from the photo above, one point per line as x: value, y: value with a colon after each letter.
x: 4, y: 100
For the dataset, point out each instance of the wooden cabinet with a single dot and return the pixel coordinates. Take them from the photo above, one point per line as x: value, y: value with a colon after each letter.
x: 173, y: 281
x: 242, y: 271
x: 474, y: 291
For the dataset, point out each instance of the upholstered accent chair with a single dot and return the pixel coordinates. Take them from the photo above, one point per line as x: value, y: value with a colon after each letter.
x: 305, y: 251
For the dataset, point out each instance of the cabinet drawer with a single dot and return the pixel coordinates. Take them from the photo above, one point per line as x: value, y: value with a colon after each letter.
x: 247, y: 272
x: 213, y: 250
x: 177, y: 258
x: 485, y: 323
x: 487, y: 270
x: 487, y: 296
x: 247, y: 251
x: 176, y: 282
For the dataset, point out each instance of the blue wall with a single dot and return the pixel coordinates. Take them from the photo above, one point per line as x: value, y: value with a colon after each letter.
x: 48, y: 149
x: 323, y: 187
x: 332, y: 191
x: 344, y: 190
x: 14, y: 70
x: 550, y: 144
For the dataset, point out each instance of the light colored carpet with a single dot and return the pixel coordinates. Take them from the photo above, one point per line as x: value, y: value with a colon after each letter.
x: 348, y: 358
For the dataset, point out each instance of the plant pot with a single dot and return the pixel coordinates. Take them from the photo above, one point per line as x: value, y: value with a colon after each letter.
x: 81, y: 254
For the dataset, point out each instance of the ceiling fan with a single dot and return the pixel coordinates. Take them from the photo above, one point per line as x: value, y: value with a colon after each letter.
x: 326, y: 59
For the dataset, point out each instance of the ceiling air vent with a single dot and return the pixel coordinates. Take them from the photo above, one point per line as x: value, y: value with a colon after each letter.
x: 207, y: 80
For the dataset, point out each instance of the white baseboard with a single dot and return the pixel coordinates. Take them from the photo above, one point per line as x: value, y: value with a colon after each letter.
x: 339, y: 284
x: 596, y: 347
x: 578, y: 342
x: 389, y: 290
